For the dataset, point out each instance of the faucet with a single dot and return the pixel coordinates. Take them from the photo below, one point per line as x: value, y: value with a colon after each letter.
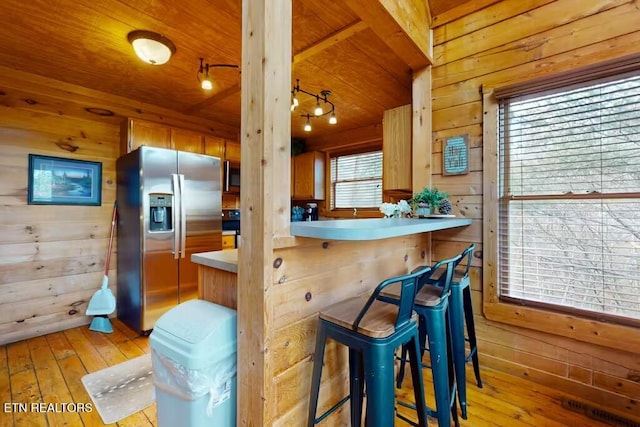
x: 355, y: 211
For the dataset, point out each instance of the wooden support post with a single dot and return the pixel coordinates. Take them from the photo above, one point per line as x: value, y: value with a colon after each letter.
x: 264, y: 202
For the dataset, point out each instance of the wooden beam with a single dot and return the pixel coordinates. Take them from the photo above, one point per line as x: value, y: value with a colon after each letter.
x: 212, y: 100
x: 402, y: 24
x: 358, y: 136
x: 75, y: 99
x: 330, y: 40
x: 265, y: 199
x: 314, y: 49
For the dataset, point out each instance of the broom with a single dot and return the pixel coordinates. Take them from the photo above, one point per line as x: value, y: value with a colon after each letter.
x: 103, y: 303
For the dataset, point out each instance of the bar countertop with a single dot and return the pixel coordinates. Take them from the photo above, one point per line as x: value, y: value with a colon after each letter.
x: 226, y: 260
x: 372, y: 228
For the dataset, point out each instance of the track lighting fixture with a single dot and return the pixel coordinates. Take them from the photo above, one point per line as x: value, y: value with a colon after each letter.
x: 321, y: 99
x: 203, y: 73
x: 307, y: 125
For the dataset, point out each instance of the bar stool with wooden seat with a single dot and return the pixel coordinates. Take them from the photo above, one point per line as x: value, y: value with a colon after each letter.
x: 372, y: 330
x: 431, y: 304
x: 460, y: 311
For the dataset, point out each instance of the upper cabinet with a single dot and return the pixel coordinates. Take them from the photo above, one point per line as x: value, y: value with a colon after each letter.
x: 186, y: 140
x: 135, y: 133
x: 232, y: 151
x: 396, y: 149
x: 214, y: 146
x: 307, y: 175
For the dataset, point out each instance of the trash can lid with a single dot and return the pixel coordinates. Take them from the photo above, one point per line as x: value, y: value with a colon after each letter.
x: 196, y: 321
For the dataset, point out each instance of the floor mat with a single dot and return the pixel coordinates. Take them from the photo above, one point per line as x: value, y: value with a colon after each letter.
x: 121, y: 390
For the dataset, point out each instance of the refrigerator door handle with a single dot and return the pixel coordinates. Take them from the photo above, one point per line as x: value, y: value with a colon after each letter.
x: 183, y: 220
x: 177, y: 201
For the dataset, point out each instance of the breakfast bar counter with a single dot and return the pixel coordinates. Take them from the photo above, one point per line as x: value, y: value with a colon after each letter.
x: 373, y: 228
x: 217, y: 276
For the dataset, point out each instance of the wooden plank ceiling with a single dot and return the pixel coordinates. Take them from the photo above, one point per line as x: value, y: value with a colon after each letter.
x: 84, y: 42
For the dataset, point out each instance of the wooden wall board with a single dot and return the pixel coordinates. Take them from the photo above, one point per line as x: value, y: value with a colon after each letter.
x: 547, y: 43
x: 457, y: 116
x: 518, y: 27
x: 475, y: 161
x: 477, y: 20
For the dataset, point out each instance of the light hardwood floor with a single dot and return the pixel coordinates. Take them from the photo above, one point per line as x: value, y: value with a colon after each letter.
x: 49, y: 368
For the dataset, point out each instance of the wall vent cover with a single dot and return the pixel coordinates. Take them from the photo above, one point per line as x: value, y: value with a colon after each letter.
x: 597, y: 413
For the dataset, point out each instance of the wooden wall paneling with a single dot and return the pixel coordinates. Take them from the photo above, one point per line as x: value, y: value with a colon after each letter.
x: 470, y: 233
x: 474, y: 20
x: 5, y: 387
x: 547, y: 43
x: 421, y: 130
x: 52, y: 231
x: 474, y: 131
x: 460, y: 10
x: 518, y: 27
x: 464, y: 185
x: 532, y: 50
x: 475, y: 161
x: 457, y: 116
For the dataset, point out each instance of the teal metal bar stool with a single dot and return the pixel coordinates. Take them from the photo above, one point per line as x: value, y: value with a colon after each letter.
x: 373, y: 330
x: 460, y: 311
x: 431, y: 304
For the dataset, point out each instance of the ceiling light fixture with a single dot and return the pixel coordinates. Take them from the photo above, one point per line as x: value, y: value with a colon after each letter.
x: 203, y: 73
x: 152, y: 48
x: 318, y: 110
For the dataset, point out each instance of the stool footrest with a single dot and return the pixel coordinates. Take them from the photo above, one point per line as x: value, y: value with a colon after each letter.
x: 331, y: 410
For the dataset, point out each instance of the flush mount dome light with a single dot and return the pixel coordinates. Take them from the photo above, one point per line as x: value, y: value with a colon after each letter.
x: 151, y: 47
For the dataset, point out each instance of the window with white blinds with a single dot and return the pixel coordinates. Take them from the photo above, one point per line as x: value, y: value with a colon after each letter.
x: 569, y: 198
x: 356, y: 180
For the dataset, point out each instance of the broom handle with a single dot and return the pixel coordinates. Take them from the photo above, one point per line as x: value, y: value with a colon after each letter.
x: 113, y: 226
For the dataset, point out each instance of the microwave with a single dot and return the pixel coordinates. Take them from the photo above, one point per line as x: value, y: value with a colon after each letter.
x: 231, y: 177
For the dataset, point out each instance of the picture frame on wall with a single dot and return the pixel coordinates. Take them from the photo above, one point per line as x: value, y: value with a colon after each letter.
x: 60, y: 181
x: 455, y: 155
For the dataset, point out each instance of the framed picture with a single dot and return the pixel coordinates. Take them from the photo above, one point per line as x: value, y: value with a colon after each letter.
x: 455, y: 155
x: 58, y: 181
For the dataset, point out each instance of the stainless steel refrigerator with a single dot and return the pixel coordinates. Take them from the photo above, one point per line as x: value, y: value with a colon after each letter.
x: 169, y: 207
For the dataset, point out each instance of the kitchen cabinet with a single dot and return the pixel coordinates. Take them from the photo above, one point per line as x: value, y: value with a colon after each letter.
x: 307, y: 175
x: 228, y: 242
x: 186, y: 140
x: 232, y: 151
x: 135, y: 133
x: 214, y: 146
x: 396, y: 149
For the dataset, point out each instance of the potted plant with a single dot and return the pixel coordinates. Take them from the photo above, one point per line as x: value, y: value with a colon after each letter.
x: 427, y: 201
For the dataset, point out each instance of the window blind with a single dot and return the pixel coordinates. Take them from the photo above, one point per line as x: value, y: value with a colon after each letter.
x: 356, y: 180
x: 569, y: 211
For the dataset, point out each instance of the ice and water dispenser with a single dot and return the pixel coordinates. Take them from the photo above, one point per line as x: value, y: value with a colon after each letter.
x: 160, y: 206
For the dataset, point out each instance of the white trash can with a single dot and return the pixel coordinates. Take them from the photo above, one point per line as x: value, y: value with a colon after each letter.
x: 193, y: 354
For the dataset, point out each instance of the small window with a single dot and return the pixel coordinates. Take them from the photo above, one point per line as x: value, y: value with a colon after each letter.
x: 356, y: 180
x: 569, y: 198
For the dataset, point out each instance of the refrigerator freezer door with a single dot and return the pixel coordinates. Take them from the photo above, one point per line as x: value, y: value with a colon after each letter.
x: 202, y: 207
x: 159, y: 268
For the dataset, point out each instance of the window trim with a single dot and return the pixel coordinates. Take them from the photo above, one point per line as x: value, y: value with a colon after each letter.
x: 364, y: 212
x: 610, y: 335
